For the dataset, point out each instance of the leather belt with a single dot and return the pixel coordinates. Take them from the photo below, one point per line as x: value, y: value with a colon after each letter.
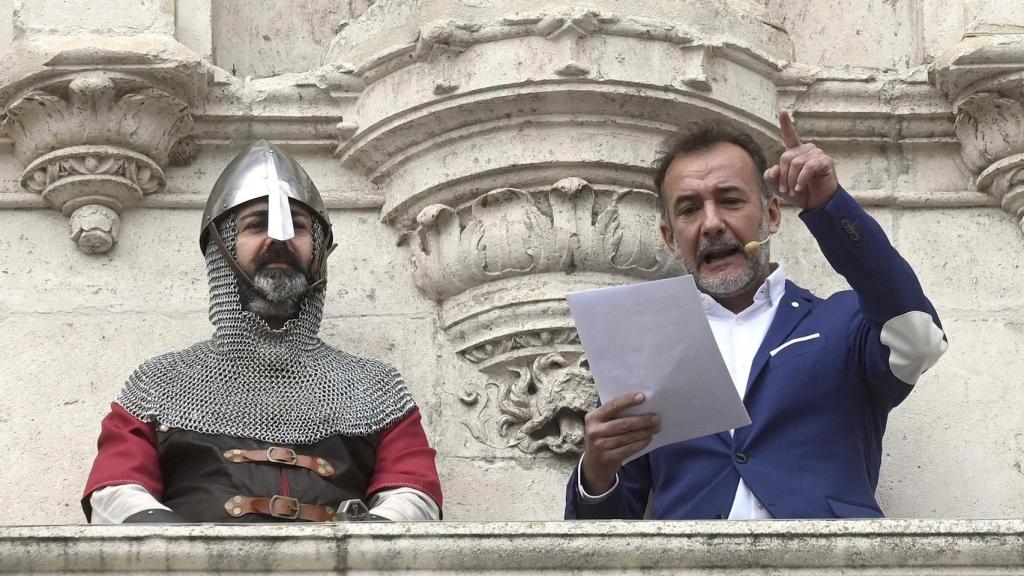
x: 278, y: 507
x: 285, y: 456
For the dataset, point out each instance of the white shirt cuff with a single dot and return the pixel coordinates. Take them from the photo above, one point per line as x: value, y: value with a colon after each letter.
x: 583, y: 493
x: 400, y: 504
x: 111, y: 505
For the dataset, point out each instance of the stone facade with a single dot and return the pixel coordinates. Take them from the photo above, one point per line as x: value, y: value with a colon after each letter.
x: 481, y: 159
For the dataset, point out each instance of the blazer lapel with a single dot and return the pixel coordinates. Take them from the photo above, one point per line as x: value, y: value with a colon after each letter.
x: 796, y: 303
x: 785, y: 321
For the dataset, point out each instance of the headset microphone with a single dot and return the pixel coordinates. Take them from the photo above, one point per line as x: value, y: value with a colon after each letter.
x: 753, y: 246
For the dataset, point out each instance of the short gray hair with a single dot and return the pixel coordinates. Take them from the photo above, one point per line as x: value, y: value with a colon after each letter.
x: 700, y: 136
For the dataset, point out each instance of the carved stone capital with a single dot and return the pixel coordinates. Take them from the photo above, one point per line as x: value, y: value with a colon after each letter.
x: 509, y: 232
x: 465, y: 124
x: 96, y: 108
x: 96, y: 139
x: 501, y: 265
x: 983, y: 77
x: 990, y: 127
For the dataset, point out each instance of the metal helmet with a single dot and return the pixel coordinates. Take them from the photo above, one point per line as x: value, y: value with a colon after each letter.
x: 264, y: 170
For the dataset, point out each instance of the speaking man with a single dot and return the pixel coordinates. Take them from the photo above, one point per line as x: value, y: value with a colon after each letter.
x: 264, y: 422
x: 817, y: 376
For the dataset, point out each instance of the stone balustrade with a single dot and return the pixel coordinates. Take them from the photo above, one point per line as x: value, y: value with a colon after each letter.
x: 820, y: 547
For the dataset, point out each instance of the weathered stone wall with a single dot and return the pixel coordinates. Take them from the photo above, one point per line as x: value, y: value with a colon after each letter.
x: 481, y: 159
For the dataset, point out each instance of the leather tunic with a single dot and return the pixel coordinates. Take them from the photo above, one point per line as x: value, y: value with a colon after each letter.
x: 200, y: 479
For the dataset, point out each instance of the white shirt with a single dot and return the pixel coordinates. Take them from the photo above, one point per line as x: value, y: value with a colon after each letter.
x: 738, y: 337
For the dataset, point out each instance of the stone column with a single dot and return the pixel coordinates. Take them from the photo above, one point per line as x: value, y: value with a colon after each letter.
x: 983, y: 76
x: 514, y: 147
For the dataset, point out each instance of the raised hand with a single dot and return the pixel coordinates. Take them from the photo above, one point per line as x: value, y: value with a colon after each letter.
x: 805, y: 176
x: 609, y: 439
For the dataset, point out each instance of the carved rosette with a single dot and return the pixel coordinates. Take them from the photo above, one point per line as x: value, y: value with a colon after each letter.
x: 93, y: 144
x: 501, y: 265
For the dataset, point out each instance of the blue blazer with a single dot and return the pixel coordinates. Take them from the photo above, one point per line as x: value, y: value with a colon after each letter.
x: 818, y: 406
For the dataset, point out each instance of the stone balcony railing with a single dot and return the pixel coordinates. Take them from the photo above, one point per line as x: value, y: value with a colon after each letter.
x: 817, y: 547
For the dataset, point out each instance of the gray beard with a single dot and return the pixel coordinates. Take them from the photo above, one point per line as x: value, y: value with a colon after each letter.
x: 741, y: 279
x: 277, y: 294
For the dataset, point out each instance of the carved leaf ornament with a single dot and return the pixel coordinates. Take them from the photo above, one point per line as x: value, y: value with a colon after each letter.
x: 93, y: 144
x: 509, y: 232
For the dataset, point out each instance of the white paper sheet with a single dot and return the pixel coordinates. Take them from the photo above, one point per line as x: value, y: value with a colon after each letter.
x: 653, y: 338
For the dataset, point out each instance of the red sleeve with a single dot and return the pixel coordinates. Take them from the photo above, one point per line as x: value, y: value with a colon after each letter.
x: 127, y: 454
x: 404, y: 459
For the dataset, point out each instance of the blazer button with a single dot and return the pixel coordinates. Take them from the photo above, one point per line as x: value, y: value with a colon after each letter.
x: 741, y: 457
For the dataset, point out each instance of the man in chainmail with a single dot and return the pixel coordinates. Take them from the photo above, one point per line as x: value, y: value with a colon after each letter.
x: 264, y: 422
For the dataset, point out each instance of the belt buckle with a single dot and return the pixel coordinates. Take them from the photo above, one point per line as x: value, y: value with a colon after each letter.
x: 293, y: 502
x: 291, y: 458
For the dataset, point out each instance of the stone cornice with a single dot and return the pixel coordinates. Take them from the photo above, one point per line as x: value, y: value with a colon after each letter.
x: 862, y: 104
x: 832, y: 106
x: 823, y: 547
x: 451, y: 36
x: 158, y: 59
x: 975, y: 59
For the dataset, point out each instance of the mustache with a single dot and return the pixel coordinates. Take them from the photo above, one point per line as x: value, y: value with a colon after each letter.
x: 717, y: 242
x: 279, y: 253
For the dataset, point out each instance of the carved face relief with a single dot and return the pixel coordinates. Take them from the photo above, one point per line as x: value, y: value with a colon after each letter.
x: 540, y: 404
x: 564, y: 394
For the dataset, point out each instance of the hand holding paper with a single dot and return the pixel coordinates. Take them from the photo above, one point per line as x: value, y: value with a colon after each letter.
x: 650, y: 338
x: 611, y: 439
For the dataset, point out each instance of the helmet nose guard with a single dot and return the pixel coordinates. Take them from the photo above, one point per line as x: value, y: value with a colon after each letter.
x: 264, y: 170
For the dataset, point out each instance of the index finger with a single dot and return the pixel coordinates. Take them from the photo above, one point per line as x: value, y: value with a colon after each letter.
x: 789, y: 136
x: 620, y: 403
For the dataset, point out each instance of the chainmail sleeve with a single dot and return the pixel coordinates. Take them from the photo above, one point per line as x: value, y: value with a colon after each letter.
x: 137, y: 396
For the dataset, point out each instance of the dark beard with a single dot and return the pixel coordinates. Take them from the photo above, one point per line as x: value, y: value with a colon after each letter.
x: 277, y: 294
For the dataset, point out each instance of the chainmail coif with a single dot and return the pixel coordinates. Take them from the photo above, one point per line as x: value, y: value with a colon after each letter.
x: 281, y: 386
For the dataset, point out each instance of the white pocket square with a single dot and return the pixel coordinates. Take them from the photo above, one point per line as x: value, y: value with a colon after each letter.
x: 784, y: 345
